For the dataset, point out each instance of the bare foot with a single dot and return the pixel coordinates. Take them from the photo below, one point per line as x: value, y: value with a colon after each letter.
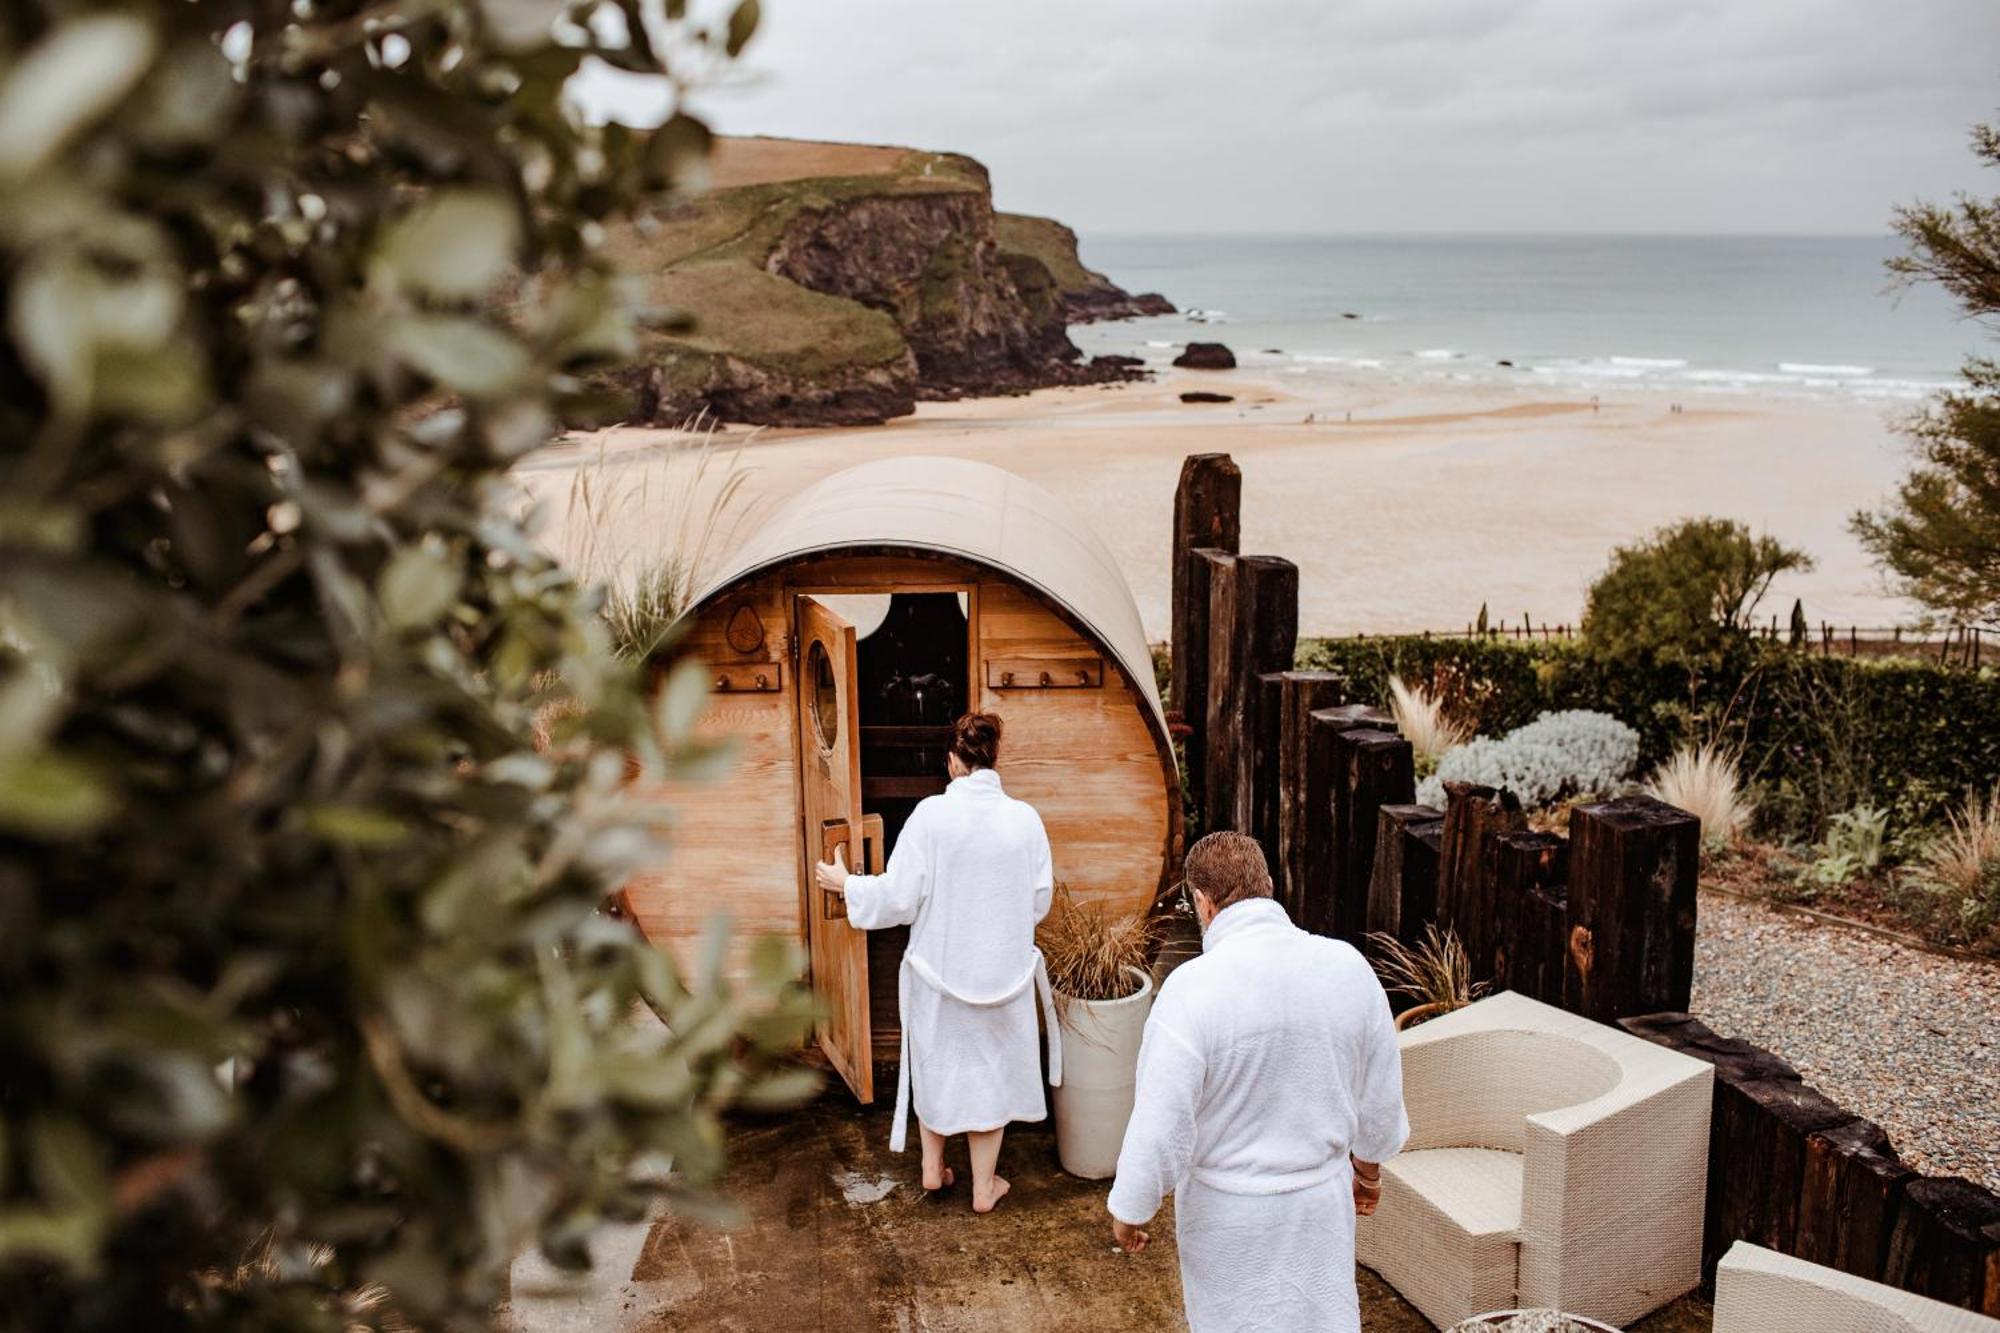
x: 945, y: 1180
x: 986, y: 1205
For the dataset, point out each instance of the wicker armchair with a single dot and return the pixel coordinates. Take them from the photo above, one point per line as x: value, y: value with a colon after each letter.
x: 1552, y: 1162
x: 1761, y: 1291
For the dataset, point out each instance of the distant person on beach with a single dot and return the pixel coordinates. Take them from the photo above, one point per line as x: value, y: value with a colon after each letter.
x: 971, y: 875
x: 1270, y: 1089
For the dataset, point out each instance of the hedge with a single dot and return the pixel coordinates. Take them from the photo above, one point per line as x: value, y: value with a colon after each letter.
x: 1818, y: 735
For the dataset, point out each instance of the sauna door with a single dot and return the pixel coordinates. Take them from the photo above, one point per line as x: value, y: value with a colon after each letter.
x: 830, y: 778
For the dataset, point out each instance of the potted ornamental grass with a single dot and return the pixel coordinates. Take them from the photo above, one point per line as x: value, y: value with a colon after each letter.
x: 1097, y: 968
x: 1434, y: 973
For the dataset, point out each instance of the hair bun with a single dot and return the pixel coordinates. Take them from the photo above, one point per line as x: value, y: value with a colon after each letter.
x: 975, y: 739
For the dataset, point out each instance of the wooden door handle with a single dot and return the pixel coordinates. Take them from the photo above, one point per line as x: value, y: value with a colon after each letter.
x: 834, y: 835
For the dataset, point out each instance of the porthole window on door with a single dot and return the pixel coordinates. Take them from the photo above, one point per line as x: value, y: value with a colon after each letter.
x: 825, y: 697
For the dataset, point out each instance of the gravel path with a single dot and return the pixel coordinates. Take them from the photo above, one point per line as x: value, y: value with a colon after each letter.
x: 1906, y: 1038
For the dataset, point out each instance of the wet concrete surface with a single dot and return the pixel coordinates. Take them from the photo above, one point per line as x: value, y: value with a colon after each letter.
x: 834, y: 1234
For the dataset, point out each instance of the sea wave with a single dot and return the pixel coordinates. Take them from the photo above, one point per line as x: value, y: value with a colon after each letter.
x: 1812, y: 368
x: 1649, y: 362
x: 1438, y: 354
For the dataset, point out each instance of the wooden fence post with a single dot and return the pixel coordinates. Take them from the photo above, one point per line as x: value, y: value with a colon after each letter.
x: 1475, y: 818
x: 1946, y: 1243
x: 1847, y: 1211
x: 1633, y: 867
x: 1403, y: 884
x: 1301, y: 693
x: 1315, y: 906
x: 1530, y: 927
x: 1265, y: 725
x: 1371, y: 768
x: 1253, y: 613
x: 1207, y: 515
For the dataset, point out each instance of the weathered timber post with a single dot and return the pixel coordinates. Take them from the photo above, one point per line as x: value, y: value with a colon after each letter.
x: 1475, y: 817
x: 1314, y: 908
x: 1847, y: 1210
x: 1530, y: 928
x: 1946, y: 1243
x: 1365, y: 768
x: 1265, y: 740
x: 1403, y: 884
x: 1218, y: 575
x: 1633, y: 867
x: 1207, y: 514
x: 1253, y: 612
x: 1300, y: 693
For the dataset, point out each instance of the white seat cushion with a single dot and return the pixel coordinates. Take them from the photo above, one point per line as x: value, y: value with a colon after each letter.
x: 1479, y: 1189
x: 1446, y: 1234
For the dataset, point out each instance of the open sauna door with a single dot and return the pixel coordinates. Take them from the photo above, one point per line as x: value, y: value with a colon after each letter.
x: 830, y: 800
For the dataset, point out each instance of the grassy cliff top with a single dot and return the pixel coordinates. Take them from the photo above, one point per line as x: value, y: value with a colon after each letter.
x: 1054, y: 245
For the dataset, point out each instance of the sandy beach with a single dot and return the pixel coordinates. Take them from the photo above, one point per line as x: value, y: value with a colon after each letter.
x: 1405, y: 505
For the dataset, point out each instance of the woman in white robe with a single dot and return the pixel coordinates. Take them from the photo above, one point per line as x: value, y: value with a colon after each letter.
x: 971, y: 876
x: 1269, y: 1089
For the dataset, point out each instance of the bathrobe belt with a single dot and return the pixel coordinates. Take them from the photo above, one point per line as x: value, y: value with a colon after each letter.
x: 1037, y: 975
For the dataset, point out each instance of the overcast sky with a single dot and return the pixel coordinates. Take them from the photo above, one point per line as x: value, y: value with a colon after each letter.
x: 1800, y: 116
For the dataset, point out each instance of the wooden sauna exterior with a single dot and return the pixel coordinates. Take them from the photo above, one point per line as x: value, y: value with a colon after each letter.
x: 1050, y: 640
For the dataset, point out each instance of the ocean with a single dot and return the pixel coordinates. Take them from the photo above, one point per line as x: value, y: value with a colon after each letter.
x: 1686, y: 316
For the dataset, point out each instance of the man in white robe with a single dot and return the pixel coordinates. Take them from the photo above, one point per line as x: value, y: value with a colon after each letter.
x: 970, y: 875
x: 1270, y: 1089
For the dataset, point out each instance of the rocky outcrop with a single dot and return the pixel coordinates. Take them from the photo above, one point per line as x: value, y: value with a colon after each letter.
x: 790, y: 303
x: 1206, y: 356
x: 1087, y: 295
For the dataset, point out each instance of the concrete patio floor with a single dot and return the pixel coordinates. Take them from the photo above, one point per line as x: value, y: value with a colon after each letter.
x: 835, y: 1235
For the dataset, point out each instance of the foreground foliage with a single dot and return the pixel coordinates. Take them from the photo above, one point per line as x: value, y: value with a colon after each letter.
x: 303, y: 985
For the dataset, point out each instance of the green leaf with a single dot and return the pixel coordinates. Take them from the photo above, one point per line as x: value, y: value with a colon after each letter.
x: 67, y: 81
x: 355, y: 826
x: 680, y: 702
x: 785, y: 1088
x: 455, y: 246
x: 462, y: 354
x: 47, y: 794
x: 742, y: 24
x: 417, y: 586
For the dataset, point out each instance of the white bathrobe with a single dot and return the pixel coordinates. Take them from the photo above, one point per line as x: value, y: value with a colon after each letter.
x: 970, y: 876
x: 1266, y: 1062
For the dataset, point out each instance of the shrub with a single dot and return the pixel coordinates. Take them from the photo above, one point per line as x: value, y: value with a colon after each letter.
x: 1088, y: 950
x: 1814, y: 735
x: 1686, y: 594
x: 1703, y: 780
x: 1854, y: 847
x: 1557, y: 756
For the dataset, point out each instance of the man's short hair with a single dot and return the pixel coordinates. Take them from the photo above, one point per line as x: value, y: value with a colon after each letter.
x: 1228, y: 868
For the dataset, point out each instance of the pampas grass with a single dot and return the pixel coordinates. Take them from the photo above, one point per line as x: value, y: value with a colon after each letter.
x: 1088, y: 950
x: 1962, y: 865
x: 1436, y: 971
x: 646, y: 526
x: 1703, y: 781
x: 1420, y: 717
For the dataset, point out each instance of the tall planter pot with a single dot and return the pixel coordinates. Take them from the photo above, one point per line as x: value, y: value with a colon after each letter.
x: 1100, y: 1056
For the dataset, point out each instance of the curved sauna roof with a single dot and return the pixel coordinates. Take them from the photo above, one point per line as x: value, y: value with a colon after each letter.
x: 976, y: 512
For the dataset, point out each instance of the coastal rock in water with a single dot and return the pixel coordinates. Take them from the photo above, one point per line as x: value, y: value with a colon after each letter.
x: 1204, y: 396
x: 1206, y: 356
x: 1113, y: 361
x: 1349, y: 314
